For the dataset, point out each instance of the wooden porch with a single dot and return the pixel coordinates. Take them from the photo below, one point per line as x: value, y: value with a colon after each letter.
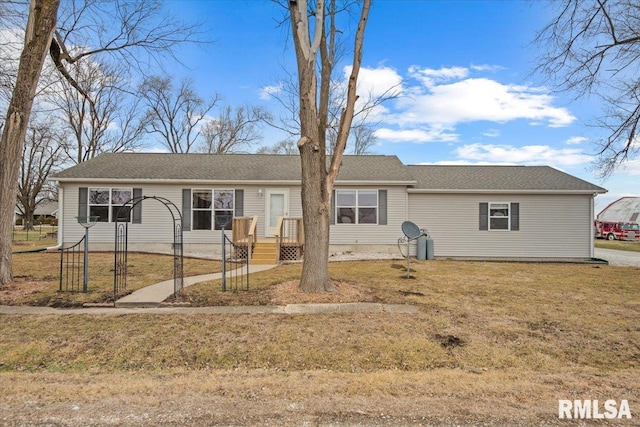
x: 287, y: 244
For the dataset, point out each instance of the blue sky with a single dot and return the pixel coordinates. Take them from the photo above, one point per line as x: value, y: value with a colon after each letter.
x: 464, y: 67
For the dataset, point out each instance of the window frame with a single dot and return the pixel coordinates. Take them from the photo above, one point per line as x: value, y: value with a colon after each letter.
x: 224, y: 209
x: 357, y: 206
x: 110, y: 205
x: 497, y: 217
x: 212, y: 209
x: 195, y: 209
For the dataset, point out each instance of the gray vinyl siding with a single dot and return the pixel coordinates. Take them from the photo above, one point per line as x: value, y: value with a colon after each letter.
x: 370, y: 234
x: 156, y: 220
x: 156, y: 225
x: 551, y: 226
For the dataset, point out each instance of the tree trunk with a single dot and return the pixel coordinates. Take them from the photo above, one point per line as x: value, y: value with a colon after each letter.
x: 316, y: 214
x: 28, y: 220
x: 317, y: 181
x: 38, y: 34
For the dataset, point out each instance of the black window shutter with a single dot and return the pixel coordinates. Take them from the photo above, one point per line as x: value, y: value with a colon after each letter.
x: 382, y: 207
x: 186, y: 209
x: 515, y: 216
x: 332, y: 221
x: 83, y: 196
x: 484, y: 216
x: 136, y: 214
x: 239, y: 203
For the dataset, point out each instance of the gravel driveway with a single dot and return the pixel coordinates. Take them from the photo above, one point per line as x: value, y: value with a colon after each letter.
x: 619, y: 258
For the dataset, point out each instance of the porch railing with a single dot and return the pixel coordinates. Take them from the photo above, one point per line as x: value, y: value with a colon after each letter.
x: 289, y: 238
x: 244, y: 234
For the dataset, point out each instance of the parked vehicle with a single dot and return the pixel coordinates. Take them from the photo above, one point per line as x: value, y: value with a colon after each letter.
x: 617, y: 230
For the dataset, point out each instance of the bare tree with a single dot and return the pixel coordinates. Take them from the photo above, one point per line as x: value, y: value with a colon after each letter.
x: 364, y: 139
x: 42, y: 153
x: 39, y: 30
x: 592, y: 47
x: 361, y: 137
x: 12, y: 17
x: 174, y: 113
x: 235, y: 130
x: 315, y: 44
x: 132, y: 33
x: 111, y: 121
x: 287, y: 146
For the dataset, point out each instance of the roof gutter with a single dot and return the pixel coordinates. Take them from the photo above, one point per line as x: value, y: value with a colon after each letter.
x: 263, y: 182
x: 60, y: 216
x: 514, y: 191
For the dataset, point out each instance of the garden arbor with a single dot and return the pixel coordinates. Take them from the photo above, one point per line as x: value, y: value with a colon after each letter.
x: 127, y: 214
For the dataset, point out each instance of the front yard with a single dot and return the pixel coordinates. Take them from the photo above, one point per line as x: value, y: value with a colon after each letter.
x: 492, y: 344
x: 37, y: 277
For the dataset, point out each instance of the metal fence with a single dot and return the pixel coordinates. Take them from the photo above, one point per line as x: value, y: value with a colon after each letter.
x: 235, y: 266
x: 72, y: 268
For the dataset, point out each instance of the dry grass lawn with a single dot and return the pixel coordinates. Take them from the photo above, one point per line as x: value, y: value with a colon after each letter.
x: 37, y: 277
x: 492, y: 344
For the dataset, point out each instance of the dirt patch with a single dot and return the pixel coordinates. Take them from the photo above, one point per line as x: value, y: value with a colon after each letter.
x: 289, y: 293
x: 450, y: 341
x: 19, y: 290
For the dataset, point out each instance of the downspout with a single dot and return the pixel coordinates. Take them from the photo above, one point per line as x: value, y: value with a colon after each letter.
x: 591, y: 232
x: 60, y: 219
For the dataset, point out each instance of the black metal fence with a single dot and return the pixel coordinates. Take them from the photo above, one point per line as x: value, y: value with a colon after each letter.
x: 235, y: 266
x: 120, y: 255
x: 72, y: 268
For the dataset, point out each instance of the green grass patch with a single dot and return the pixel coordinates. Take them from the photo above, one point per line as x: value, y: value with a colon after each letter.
x: 619, y: 245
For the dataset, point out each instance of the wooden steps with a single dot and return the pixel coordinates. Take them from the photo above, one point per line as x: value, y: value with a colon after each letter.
x: 264, y: 253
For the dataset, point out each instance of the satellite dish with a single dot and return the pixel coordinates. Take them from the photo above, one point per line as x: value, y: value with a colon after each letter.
x: 411, y: 230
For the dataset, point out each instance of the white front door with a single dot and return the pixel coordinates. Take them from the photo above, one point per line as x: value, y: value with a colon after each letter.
x: 277, y: 205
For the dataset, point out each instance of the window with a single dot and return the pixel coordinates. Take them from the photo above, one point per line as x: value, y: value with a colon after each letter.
x: 201, y: 209
x: 212, y: 207
x: 356, y: 206
x: 498, y: 216
x: 223, y: 209
x: 105, y: 203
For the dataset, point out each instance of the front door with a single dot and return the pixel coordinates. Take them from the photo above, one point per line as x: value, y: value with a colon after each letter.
x: 277, y: 205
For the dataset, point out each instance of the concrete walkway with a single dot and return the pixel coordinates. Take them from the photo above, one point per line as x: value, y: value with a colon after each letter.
x: 153, y: 295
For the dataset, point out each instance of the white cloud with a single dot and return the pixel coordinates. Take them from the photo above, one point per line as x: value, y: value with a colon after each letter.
x: 268, y: 91
x: 447, y: 97
x: 631, y: 167
x: 430, y: 77
x: 375, y: 82
x: 415, y: 135
x: 487, y: 67
x: 480, y: 99
x: 156, y: 149
x: 575, y: 140
x: 529, y: 154
x: 491, y: 133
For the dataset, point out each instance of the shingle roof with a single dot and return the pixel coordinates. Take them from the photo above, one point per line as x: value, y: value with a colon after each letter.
x: 228, y: 167
x: 497, y: 178
x: 282, y: 168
